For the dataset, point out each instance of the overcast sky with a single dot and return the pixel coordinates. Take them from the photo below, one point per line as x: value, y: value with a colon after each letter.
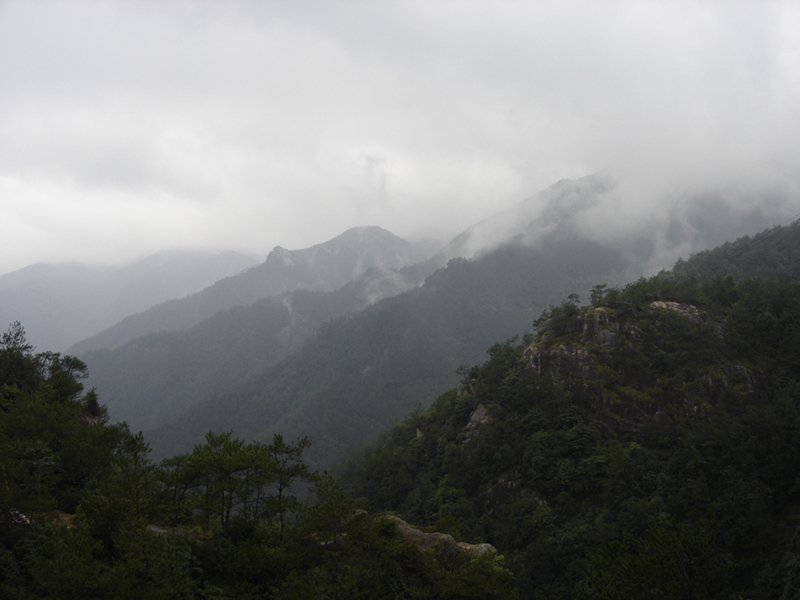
x: 132, y: 127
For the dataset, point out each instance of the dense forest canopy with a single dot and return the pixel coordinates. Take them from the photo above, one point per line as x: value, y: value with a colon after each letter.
x: 85, y: 513
x: 643, y: 445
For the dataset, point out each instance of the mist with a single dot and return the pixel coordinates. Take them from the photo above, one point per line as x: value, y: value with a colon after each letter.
x: 129, y: 128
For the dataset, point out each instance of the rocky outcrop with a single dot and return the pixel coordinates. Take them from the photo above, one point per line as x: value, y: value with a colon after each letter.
x: 479, y: 417
x: 600, y: 326
x: 441, y: 544
x: 282, y: 256
x: 602, y: 356
x: 687, y: 310
x: 560, y: 361
x: 478, y: 548
x: 597, y: 326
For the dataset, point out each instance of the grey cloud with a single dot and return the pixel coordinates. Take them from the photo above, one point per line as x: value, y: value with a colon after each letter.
x: 266, y: 124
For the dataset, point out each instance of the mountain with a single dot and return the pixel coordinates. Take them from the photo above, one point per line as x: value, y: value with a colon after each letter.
x: 63, y: 303
x: 644, y: 446
x: 607, y: 208
x: 360, y: 373
x: 372, y: 364
x: 536, y: 217
x: 154, y: 377
x: 326, y: 266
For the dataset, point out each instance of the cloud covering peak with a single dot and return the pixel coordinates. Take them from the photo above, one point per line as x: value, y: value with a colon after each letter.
x: 130, y: 127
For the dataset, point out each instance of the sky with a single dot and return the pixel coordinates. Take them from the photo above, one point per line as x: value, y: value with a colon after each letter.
x: 127, y: 128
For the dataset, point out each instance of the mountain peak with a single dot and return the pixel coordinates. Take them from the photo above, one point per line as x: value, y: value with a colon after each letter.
x: 280, y: 254
x: 532, y: 219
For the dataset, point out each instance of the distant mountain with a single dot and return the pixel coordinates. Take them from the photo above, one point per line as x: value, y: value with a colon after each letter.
x: 603, y: 207
x: 359, y: 374
x: 367, y: 368
x: 326, y: 266
x: 153, y: 377
x: 527, y: 222
x: 60, y: 304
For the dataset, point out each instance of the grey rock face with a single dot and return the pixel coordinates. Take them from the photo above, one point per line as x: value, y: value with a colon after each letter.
x: 441, y: 544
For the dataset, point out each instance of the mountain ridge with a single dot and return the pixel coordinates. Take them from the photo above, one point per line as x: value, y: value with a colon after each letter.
x: 399, y: 352
x: 324, y: 266
x: 63, y: 303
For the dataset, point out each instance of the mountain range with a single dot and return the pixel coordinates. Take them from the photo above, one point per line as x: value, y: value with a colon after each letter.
x: 341, y: 365
x: 326, y: 266
x: 61, y: 304
x: 642, y: 446
x: 340, y: 340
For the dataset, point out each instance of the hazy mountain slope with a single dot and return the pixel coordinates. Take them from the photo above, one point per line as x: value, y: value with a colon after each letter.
x: 156, y: 375
x: 357, y: 375
x: 607, y: 208
x: 773, y: 253
x: 326, y: 266
x: 61, y: 304
x: 361, y: 373
x: 532, y: 219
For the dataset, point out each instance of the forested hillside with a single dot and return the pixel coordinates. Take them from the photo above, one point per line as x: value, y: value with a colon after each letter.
x: 361, y: 373
x: 771, y: 254
x: 643, y: 446
x: 85, y: 513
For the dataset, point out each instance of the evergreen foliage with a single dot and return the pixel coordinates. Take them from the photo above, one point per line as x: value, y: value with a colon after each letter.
x: 644, y: 446
x: 85, y: 513
x: 771, y: 254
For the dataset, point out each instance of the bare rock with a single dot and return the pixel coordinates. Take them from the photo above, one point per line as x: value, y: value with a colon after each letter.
x: 441, y: 544
x: 687, y: 310
x: 478, y: 548
x: 479, y: 417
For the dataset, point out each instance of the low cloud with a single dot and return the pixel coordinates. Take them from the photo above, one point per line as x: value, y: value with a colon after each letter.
x: 126, y: 128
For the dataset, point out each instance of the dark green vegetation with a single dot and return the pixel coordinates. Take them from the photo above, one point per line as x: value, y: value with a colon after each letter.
x: 771, y: 254
x: 84, y: 512
x: 644, y: 446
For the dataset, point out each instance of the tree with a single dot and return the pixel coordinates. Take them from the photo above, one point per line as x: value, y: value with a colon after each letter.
x: 289, y: 468
x: 671, y: 560
x: 223, y: 479
x: 126, y: 495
